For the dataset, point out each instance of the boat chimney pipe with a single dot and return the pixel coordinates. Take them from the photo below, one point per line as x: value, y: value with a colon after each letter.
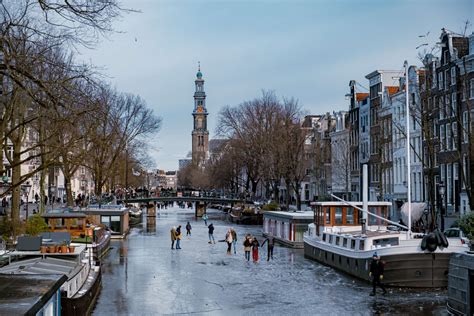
x: 365, y: 192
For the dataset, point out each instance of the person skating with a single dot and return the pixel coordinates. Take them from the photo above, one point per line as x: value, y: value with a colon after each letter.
x: 211, y: 233
x: 178, y: 237
x: 188, y: 229
x: 376, y: 273
x: 229, y: 240
x: 204, y: 218
x: 234, y: 239
x: 270, y: 240
x: 173, y: 236
x: 255, y: 245
x: 247, y: 247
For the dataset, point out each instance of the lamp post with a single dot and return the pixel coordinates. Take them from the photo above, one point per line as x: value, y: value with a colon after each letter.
x: 26, y: 191
x: 441, y: 192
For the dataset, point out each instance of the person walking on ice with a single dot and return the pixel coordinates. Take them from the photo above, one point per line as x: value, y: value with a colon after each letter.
x: 270, y: 240
x: 255, y: 246
x: 204, y: 218
x: 376, y: 273
x: 188, y: 229
x: 229, y: 239
x: 211, y: 233
x: 234, y: 239
x: 173, y: 236
x: 247, y: 246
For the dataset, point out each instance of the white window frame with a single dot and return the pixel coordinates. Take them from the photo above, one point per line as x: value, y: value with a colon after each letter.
x: 441, y: 107
x: 454, y: 134
x: 471, y: 89
x: 454, y: 103
x: 453, y: 76
x: 465, y: 126
x: 442, y: 133
x: 440, y: 80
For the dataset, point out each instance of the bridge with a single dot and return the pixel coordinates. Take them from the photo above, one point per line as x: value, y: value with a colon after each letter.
x: 200, y: 202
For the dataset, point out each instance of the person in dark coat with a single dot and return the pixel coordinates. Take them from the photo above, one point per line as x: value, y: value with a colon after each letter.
x: 211, y: 233
x: 376, y: 273
x: 270, y: 240
x: 188, y: 229
x: 247, y: 246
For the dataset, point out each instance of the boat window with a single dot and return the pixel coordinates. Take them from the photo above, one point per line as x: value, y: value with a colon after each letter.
x: 353, y: 243
x: 324, y: 237
x: 373, y: 219
x: 344, y: 242
x: 328, y: 215
x: 338, y: 239
x: 349, y: 215
x: 338, y: 215
x: 361, y: 244
x: 384, y: 242
x: 330, y: 239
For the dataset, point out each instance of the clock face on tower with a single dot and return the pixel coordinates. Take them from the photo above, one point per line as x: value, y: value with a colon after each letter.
x: 199, y: 109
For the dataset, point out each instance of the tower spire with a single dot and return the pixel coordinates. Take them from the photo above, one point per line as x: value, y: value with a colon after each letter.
x: 199, y: 66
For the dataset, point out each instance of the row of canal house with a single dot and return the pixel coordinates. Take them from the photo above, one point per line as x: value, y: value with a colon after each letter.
x: 373, y: 132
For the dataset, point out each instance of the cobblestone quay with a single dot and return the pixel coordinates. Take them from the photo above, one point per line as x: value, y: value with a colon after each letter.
x: 143, y: 276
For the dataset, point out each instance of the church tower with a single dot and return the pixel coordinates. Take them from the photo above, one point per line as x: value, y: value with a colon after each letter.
x: 200, y: 134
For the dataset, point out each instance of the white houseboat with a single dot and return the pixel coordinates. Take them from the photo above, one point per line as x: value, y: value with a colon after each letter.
x: 336, y: 239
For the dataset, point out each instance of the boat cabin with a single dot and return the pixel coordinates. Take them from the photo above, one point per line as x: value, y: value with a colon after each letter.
x: 66, y: 221
x: 115, y: 217
x: 330, y: 214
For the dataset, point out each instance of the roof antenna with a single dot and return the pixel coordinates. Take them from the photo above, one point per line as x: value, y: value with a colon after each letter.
x: 199, y: 66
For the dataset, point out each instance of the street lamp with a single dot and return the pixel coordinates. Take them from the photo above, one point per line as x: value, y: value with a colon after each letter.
x: 441, y: 192
x: 26, y: 191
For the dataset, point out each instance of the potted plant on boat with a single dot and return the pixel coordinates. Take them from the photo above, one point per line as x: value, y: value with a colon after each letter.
x: 64, y: 247
x: 43, y: 249
x: 71, y: 248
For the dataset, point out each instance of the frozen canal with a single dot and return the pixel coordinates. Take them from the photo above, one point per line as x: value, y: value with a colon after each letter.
x: 143, y: 276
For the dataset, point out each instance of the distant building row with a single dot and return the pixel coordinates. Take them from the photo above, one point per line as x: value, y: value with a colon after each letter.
x: 373, y: 132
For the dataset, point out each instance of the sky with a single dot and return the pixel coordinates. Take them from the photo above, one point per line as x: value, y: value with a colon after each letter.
x: 308, y: 50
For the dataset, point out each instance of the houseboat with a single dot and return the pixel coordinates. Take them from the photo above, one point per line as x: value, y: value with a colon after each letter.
x: 114, y: 217
x: 340, y: 238
x: 31, y: 294
x: 287, y: 227
x: 78, y: 292
x: 76, y: 226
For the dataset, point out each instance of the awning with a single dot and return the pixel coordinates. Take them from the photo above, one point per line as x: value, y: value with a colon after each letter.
x: 416, y: 211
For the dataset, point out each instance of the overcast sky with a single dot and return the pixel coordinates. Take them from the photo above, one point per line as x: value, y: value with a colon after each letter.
x: 303, y: 49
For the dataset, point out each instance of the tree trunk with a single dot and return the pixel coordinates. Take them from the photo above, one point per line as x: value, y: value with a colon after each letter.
x: 42, y: 206
x: 67, y: 186
x: 16, y: 194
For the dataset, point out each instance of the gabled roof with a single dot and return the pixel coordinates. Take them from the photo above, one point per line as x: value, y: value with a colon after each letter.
x: 392, y: 89
x: 361, y: 96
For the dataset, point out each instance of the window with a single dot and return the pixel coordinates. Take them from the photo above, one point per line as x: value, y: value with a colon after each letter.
x: 446, y: 57
x: 434, y: 77
x: 455, y: 135
x: 441, y: 108
x: 442, y: 132
x: 349, y: 215
x: 454, y: 103
x: 361, y: 244
x: 453, y: 76
x: 353, y: 243
x: 344, y: 242
x: 448, y: 106
x: 449, y: 139
x: 471, y: 89
x: 446, y: 75
x: 113, y: 222
x: 338, y: 215
x: 328, y: 215
x: 449, y: 186
x: 440, y: 80
x: 338, y: 240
